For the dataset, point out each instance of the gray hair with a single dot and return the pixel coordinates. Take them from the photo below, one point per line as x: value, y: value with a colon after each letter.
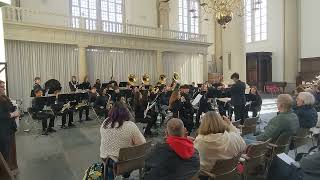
x: 286, y: 101
x: 175, y: 127
x: 307, y: 98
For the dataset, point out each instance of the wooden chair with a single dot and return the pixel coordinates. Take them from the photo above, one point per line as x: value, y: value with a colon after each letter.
x: 249, y: 126
x: 5, y: 172
x: 131, y: 158
x: 224, y: 169
x: 254, y: 160
x: 301, y: 138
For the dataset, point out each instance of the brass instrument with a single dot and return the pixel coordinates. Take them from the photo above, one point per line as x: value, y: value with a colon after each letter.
x: 163, y: 79
x: 80, y: 105
x: 146, y: 79
x: 155, y: 90
x: 65, y: 107
x: 175, y: 77
x: 132, y: 79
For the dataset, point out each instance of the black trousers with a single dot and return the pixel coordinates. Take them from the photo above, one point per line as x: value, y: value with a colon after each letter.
x: 151, y: 121
x: 44, y: 116
x: 254, y: 110
x: 64, y: 117
x: 239, y: 113
x: 86, y: 108
x: 5, y: 146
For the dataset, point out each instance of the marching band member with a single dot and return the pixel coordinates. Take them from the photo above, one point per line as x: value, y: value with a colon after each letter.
x: 73, y: 84
x: 39, y: 113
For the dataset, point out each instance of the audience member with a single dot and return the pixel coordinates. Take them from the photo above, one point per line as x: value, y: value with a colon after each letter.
x: 117, y: 132
x: 305, y: 111
x: 286, y: 122
x: 218, y: 139
x: 310, y: 166
x: 175, y: 159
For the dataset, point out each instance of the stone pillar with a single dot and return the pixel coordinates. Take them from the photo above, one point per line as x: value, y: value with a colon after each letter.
x: 233, y: 48
x: 159, y: 63
x: 163, y: 14
x: 218, y: 56
x: 82, y: 64
x: 205, y: 67
x: 291, y: 42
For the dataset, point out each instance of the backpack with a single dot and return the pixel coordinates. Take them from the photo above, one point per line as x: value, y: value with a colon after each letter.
x: 94, y: 172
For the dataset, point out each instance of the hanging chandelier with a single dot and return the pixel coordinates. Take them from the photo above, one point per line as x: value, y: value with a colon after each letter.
x: 224, y: 10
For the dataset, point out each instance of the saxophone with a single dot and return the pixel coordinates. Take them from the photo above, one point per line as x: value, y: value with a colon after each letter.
x: 80, y: 105
x: 65, y: 107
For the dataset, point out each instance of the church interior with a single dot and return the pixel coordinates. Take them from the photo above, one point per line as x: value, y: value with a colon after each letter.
x: 159, y: 89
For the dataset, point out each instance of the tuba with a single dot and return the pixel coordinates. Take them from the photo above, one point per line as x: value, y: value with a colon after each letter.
x: 163, y: 79
x: 146, y: 79
x: 175, y: 77
x: 132, y: 79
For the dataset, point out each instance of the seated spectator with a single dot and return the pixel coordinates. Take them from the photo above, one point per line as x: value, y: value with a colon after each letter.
x: 176, y: 159
x: 310, y: 166
x: 305, y: 111
x: 286, y: 122
x: 255, y: 102
x: 117, y: 132
x: 218, y: 139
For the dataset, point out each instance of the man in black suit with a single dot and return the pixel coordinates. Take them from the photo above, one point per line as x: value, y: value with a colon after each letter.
x: 238, y: 97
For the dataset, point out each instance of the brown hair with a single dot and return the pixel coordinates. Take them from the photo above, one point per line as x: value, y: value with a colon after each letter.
x: 213, y: 123
x: 174, y: 97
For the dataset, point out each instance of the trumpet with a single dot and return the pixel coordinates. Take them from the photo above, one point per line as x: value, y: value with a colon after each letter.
x: 65, y: 107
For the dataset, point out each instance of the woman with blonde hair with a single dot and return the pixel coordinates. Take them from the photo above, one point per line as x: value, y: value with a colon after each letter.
x: 218, y: 139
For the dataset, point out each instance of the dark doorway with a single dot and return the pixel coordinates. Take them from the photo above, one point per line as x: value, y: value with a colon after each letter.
x: 259, y: 68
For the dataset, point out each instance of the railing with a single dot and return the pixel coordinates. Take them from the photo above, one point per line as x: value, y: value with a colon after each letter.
x: 27, y: 16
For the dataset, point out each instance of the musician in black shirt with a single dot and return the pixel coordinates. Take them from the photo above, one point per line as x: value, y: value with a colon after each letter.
x: 112, y: 82
x: 73, y: 84
x: 255, y: 102
x: 85, y: 85
x: 97, y: 85
x: 39, y: 113
x: 203, y: 104
x: 238, y: 97
x: 37, y: 85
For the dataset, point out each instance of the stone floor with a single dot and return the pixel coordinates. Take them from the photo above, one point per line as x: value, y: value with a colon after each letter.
x: 66, y: 154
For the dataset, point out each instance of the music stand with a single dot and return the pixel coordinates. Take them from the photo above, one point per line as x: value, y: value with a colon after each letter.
x: 123, y: 84
x: 51, y: 100
x: 63, y: 98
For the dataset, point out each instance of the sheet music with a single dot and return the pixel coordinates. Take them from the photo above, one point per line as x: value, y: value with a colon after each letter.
x: 196, y: 100
x: 287, y: 159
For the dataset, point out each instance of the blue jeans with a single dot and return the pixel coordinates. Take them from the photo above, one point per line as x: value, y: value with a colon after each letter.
x: 250, y: 139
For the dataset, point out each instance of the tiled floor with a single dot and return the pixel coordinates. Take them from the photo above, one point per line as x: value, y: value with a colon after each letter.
x: 66, y: 154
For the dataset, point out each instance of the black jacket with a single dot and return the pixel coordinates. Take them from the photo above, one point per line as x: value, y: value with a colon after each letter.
x: 162, y: 163
x: 307, y: 115
x: 73, y: 86
x: 101, y: 101
x: 256, y: 101
x: 85, y: 85
x: 7, y: 125
x: 238, y: 96
x: 203, y: 104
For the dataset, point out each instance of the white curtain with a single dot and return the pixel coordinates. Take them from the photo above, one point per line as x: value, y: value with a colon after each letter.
x: 105, y: 62
x: 188, y: 66
x: 27, y: 60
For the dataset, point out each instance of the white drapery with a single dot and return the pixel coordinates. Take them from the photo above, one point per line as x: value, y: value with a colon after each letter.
x: 105, y: 62
x: 27, y: 60
x: 188, y: 66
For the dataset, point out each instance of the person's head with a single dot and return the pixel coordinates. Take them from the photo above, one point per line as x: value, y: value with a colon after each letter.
x: 175, y: 127
x: 53, y: 86
x: 86, y: 79
x: 98, y: 81
x: 38, y: 92
x: 213, y: 123
x: 284, y: 102
x: 37, y: 80
x: 235, y: 77
x: 94, y: 90
x: 2, y: 88
x: 299, y: 89
x: 254, y: 90
x: 117, y: 115
x: 74, y: 78
x: 204, y: 87
x: 305, y: 98
x: 174, y: 97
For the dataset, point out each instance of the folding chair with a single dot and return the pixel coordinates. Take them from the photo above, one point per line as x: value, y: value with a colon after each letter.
x: 301, y: 138
x: 224, y: 169
x: 254, y: 160
x: 131, y: 158
x: 31, y: 120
